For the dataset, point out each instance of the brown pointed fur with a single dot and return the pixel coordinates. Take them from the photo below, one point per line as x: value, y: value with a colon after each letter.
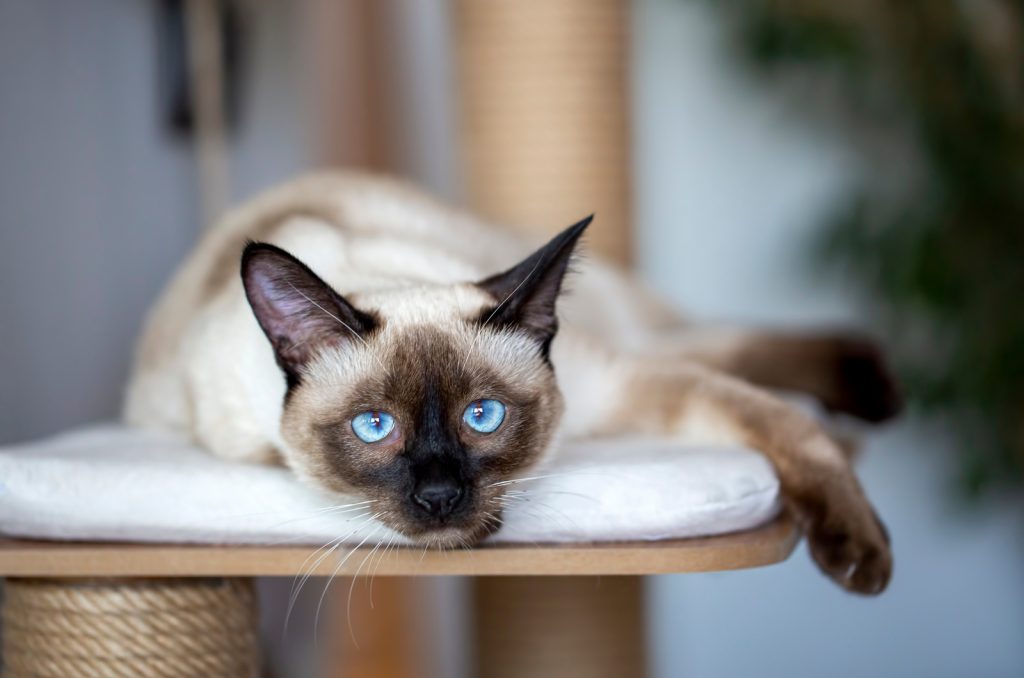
x: 620, y: 363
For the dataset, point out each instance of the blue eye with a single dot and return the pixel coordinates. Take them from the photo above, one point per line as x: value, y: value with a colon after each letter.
x: 371, y: 427
x: 484, y: 416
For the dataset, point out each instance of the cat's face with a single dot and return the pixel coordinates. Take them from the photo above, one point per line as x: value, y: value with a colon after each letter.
x: 422, y: 400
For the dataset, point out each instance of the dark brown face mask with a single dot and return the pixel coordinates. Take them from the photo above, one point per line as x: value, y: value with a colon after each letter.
x: 411, y: 432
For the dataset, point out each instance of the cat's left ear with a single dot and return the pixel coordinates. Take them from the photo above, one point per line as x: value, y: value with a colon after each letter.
x: 300, y: 313
x: 525, y: 294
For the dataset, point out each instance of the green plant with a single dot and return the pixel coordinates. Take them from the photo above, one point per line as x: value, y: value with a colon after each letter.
x: 932, y: 92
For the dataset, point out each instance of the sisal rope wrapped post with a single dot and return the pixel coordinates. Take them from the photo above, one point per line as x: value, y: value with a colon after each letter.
x: 126, y: 628
x: 571, y: 627
x: 543, y: 90
x: 543, y: 94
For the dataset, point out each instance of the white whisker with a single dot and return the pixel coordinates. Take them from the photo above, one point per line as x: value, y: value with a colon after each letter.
x: 511, y: 294
x: 513, y: 481
x: 535, y: 492
x: 320, y: 603
x: 299, y: 537
x: 297, y: 589
x: 479, y: 329
x: 256, y: 514
x: 293, y: 595
x: 391, y: 542
x: 423, y: 555
x: 340, y: 321
x: 351, y: 588
x: 559, y: 512
x: 350, y: 508
x: 346, y: 506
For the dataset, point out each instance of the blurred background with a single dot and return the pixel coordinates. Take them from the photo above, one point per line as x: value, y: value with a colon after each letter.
x: 779, y: 163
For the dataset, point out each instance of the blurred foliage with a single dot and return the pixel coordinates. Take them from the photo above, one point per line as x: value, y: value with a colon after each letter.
x: 931, y: 92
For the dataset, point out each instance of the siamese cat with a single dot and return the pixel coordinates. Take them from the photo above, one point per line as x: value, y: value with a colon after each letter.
x: 386, y: 346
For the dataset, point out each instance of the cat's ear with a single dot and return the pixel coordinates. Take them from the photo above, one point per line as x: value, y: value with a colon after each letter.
x: 299, y: 312
x: 525, y: 295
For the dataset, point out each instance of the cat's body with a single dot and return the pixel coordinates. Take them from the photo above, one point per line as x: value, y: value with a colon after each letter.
x: 413, y: 269
x: 204, y: 366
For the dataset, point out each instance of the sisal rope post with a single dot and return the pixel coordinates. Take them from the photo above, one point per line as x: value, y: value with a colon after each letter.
x: 127, y: 628
x: 543, y: 92
x: 543, y: 100
x: 571, y: 627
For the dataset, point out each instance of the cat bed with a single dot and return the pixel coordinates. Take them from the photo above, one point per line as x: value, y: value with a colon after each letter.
x: 111, y: 483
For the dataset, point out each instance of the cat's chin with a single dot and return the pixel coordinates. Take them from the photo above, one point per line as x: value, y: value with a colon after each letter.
x: 455, y: 537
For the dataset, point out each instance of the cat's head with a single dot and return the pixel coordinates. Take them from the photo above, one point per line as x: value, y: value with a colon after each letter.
x: 425, y: 400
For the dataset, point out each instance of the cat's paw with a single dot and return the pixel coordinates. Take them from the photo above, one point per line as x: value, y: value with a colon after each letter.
x: 851, y: 546
x: 862, y: 384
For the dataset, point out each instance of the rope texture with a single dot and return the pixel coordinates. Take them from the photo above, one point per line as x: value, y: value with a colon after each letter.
x: 543, y: 105
x: 120, y: 629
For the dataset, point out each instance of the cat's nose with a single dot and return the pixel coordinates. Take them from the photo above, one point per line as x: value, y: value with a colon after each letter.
x: 438, y: 499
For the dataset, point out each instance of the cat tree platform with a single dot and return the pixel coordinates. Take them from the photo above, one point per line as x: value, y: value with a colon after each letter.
x: 766, y: 545
x: 129, y: 570
x: 99, y: 609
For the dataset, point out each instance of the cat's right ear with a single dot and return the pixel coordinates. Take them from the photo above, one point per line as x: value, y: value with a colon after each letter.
x: 299, y: 312
x: 525, y: 294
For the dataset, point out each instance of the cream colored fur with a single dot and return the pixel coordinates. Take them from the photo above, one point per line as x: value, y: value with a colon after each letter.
x: 205, y: 368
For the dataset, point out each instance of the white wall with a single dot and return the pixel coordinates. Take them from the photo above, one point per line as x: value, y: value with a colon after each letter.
x: 730, y: 184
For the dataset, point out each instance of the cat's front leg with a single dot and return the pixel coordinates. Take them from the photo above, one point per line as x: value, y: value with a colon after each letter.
x: 700, y: 405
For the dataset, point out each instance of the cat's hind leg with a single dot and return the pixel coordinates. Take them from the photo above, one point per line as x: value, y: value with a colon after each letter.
x: 844, y: 371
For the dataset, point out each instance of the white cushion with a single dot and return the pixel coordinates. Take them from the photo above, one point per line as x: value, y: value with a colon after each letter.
x: 118, y: 484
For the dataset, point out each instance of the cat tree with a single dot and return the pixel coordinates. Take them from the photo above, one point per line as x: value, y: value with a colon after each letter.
x: 543, y: 100
x: 163, y: 610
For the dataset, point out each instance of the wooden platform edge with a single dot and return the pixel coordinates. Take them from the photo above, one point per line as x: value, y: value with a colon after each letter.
x: 766, y: 545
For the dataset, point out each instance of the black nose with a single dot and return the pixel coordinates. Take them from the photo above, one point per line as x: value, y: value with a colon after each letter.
x: 438, y: 499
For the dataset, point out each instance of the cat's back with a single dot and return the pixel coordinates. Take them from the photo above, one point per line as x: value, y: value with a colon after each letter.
x: 372, y: 229
x: 357, y: 231
x: 202, y: 365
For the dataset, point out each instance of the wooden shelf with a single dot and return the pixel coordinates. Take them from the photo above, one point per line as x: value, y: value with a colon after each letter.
x: 766, y: 545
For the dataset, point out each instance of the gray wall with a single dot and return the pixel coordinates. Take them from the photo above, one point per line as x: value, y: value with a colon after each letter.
x: 97, y: 202
x: 95, y: 206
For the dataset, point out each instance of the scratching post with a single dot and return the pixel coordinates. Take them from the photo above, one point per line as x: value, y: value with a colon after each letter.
x: 586, y: 624
x: 136, y: 627
x: 145, y: 627
x: 544, y: 113
x: 544, y: 107
x: 571, y: 627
